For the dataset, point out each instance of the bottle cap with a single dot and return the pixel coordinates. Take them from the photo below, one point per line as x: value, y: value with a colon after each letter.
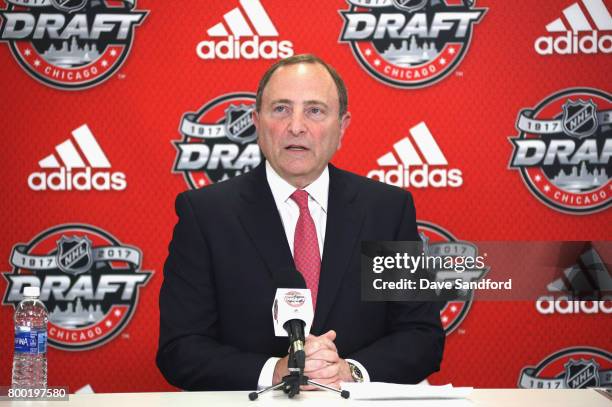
x: 31, y: 291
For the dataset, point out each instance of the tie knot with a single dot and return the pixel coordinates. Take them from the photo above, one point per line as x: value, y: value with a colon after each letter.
x: 301, y: 198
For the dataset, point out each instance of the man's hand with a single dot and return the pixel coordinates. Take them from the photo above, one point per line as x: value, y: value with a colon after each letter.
x: 322, y: 360
x: 323, y: 364
x: 281, y: 370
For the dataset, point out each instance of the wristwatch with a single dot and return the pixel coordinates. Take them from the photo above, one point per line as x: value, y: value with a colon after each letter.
x: 355, y: 373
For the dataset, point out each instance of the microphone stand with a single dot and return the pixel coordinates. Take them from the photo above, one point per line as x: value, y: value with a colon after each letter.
x: 296, y: 378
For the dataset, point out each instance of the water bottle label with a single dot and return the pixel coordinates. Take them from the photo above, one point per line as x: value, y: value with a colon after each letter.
x: 30, y: 341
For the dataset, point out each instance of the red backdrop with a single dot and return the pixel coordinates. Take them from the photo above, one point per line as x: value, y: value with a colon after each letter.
x: 471, y: 112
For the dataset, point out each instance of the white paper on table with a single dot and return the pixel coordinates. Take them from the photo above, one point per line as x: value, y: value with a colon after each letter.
x: 392, y: 391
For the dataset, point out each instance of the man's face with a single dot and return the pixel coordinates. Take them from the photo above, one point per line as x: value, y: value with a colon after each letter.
x: 298, y: 125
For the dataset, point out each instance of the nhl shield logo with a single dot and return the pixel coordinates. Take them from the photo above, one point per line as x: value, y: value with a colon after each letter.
x: 69, y: 6
x: 74, y: 255
x: 581, y: 374
x: 409, y: 5
x: 239, y: 123
x: 579, y: 118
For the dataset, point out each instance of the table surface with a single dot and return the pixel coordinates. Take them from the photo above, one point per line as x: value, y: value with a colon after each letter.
x: 479, y: 397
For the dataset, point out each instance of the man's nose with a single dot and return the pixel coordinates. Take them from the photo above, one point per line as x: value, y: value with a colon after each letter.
x: 297, y: 126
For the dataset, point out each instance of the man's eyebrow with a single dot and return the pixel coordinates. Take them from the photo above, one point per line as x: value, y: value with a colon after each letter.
x: 285, y: 101
x: 306, y: 102
x: 316, y: 102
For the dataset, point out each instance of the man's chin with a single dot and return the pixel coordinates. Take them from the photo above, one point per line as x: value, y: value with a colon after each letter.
x: 304, y: 175
x: 297, y: 168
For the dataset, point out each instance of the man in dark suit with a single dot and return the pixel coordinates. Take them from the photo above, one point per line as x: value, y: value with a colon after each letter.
x: 237, y: 241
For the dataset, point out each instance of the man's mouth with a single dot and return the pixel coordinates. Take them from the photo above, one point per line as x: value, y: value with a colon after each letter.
x: 295, y: 147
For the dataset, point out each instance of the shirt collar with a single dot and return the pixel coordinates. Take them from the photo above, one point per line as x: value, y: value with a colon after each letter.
x: 282, y: 190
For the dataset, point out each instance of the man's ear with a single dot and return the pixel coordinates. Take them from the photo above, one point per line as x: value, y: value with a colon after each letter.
x: 344, y: 123
x: 255, y: 116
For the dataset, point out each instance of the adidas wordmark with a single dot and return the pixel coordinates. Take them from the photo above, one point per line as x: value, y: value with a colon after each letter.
x: 251, y: 22
x: 81, y: 171
x: 413, y: 171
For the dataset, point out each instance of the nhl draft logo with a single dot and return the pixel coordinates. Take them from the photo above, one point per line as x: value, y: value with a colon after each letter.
x: 70, y: 44
x: 572, y: 368
x: 88, y: 280
x: 441, y: 242
x: 563, y: 150
x: 409, y: 43
x: 219, y: 141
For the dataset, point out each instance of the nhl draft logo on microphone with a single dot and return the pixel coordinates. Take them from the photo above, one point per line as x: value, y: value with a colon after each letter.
x: 571, y: 368
x: 440, y: 241
x: 295, y: 299
x: 563, y: 150
x: 70, y: 44
x: 89, y: 282
x: 219, y: 141
x: 409, y: 43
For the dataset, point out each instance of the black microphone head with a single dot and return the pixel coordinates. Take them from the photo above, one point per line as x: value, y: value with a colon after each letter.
x: 295, y: 329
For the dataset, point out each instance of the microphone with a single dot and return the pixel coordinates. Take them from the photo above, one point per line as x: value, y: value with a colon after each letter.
x: 292, y: 313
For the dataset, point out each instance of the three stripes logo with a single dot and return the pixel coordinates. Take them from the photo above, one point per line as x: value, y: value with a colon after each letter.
x: 589, y: 277
x: 251, y: 22
x: 407, y: 168
x: 586, y: 26
x: 64, y: 178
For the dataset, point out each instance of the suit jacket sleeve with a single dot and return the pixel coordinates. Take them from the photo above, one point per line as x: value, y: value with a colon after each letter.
x: 413, y: 346
x: 191, y: 354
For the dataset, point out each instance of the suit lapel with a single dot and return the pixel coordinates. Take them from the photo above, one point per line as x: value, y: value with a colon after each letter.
x: 344, y: 222
x: 261, y: 220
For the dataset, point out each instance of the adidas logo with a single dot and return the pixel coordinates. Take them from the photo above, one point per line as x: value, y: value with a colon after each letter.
x: 90, y: 157
x: 412, y: 169
x: 580, y: 20
x: 589, y: 275
x: 252, y: 22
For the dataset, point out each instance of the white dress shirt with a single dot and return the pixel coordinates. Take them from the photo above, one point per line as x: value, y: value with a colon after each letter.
x: 318, y: 192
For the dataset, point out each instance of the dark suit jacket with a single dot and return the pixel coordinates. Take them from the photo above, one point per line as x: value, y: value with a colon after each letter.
x: 228, y: 253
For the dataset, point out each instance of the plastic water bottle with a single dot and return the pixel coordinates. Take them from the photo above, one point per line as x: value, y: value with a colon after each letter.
x: 30, y: 357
